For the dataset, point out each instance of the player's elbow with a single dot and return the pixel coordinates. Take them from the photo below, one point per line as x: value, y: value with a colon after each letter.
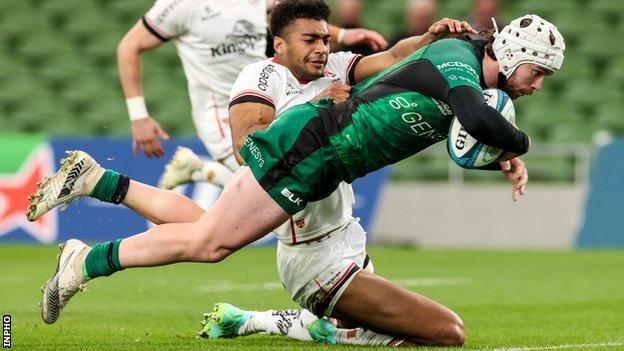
x: 238, y: 143
x: 123, y: 50
x: 127, y: 48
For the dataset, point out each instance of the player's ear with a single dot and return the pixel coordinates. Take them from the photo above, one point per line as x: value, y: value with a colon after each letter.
x: 279, y: 45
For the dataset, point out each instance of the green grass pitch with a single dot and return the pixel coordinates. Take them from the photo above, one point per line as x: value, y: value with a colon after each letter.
x: 522, y: 300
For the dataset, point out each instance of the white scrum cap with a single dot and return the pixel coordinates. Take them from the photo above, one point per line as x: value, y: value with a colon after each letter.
x: 528, y: 39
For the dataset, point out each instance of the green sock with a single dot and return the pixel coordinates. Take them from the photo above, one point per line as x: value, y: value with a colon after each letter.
x: 102, y: 260
x: 106, y: 186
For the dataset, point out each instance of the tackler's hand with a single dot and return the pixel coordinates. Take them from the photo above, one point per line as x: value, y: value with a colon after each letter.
x: 449, y: 27
x: 357, y: 36
x: 337, y: 91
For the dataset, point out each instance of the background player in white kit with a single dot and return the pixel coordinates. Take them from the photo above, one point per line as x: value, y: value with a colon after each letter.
x: 215, y: 40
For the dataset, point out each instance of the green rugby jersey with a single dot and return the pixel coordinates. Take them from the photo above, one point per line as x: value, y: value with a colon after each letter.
x: 306, y: 152
x: 401, y: 110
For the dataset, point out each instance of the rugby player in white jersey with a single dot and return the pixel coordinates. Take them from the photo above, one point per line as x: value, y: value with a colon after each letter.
x: 327, y: 249
x: 215, y: 39
x: 322, y: 247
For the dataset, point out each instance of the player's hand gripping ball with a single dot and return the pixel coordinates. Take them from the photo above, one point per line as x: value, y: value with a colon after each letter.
x: 465, y: 150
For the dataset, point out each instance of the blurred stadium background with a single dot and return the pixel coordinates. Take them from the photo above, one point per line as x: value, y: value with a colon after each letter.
x: 58, y: 64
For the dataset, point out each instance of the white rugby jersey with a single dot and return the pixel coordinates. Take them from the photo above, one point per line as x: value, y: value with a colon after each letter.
x: 272, y: 84
x: 215, y: 40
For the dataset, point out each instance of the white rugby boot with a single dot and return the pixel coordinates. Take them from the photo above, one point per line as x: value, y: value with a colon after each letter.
x: 66, y: 281
x: 77, y: 176
x: 180, y: 168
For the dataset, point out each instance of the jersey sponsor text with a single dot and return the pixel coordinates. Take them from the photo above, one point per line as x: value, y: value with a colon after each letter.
x: 458, y: 66
x: 166, y: 11
x: 263, y: 82
x: 291, y: 197
x: 255, y: 151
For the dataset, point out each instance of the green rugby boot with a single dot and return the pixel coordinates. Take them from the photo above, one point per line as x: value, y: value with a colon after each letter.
x: 322, y: 331
x: 224, y: 322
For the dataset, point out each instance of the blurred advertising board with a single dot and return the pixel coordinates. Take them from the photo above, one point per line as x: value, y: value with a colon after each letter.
x: 28, y: 158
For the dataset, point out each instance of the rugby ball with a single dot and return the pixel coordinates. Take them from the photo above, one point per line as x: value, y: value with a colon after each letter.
x: 465, y: 150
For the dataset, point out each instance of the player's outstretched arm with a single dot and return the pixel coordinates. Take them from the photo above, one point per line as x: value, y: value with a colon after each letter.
x: 246, y: 118
x: 145, y: 130
x: 373, y: 64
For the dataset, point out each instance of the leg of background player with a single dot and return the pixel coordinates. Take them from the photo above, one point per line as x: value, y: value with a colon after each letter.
x: 380, y: 305
x: 185, y: 167
x: 217, y: 173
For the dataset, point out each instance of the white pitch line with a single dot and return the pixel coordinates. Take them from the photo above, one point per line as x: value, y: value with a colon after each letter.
x: 559, y: 347
x: 432, y: 281
x: 223, y: 287
x: 227, y: 286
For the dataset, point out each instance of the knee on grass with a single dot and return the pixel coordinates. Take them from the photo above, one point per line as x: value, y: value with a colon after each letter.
x: 451, y: 334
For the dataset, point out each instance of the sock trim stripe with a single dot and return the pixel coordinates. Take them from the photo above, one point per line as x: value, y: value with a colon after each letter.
x: 121, y: 190
x: 116, y: 264
x: 109, y: 255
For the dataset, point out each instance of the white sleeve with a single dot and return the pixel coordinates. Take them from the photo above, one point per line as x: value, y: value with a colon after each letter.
x: 259, y: 82
x: 343, y: 64
x: 168, y: 18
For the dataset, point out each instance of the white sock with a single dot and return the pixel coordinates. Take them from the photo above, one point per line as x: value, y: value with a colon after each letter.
x: 291, y: 323
x: 361, y: 336
x: 294, y: 324
x: 212, y: 172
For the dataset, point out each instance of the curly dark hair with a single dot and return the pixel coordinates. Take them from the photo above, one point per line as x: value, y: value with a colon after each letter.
x: 287, y: 11
x: 488, y: 36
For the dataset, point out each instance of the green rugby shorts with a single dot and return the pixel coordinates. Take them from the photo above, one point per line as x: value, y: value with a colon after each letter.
x: 293, y: 159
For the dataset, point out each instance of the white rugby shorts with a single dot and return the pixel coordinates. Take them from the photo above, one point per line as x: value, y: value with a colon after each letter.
x: 316, y: 274
x: 213, y: 130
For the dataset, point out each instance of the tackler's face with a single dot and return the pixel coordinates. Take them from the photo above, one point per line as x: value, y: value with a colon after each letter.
x: 304, y: 48
x: 525, y: 80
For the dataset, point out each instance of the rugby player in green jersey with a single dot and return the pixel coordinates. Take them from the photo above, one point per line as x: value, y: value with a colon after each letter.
x: 305, y: 152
